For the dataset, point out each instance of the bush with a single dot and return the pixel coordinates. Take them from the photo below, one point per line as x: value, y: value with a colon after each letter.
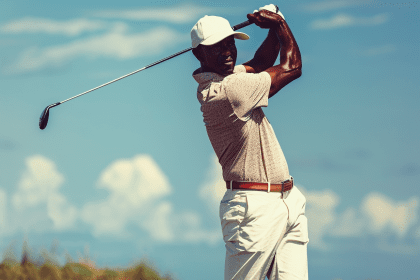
x: 29, y: 270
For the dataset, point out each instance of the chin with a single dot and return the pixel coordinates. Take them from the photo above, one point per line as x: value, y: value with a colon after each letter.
x: 227, y: 71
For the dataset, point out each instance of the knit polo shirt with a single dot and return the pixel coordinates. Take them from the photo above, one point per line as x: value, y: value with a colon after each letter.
x: 242, y: 138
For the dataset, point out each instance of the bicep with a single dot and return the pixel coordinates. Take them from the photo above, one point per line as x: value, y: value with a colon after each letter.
x: 249, y: 68
x: 253, y: 67
x: 281, y: 77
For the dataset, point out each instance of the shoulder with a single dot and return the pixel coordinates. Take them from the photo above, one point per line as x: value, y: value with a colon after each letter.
x: 239, y: 74
x: 241, y: 79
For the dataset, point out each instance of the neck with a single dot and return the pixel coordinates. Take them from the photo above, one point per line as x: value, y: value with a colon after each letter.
x: 204, y: 68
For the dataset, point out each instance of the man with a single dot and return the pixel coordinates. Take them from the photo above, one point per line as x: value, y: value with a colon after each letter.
x: 262, y: 213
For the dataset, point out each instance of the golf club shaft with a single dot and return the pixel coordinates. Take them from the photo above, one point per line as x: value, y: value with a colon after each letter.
x: 236, y: 27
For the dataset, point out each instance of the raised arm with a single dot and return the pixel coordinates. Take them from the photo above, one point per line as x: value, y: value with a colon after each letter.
x: 266, y: 54
x: 290, y: 67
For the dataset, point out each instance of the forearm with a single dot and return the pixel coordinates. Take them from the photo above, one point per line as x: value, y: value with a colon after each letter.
x: 290, y: 58
x: 267, y: 53
x: 290, y: 67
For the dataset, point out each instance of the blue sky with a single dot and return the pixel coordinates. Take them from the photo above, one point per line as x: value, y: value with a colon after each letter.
x: 127, y: 171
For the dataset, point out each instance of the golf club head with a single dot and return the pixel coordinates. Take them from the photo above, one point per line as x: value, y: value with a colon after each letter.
x: 43, y: 119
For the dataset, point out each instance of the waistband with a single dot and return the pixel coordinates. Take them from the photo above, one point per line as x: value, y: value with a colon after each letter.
x: 268, y: 187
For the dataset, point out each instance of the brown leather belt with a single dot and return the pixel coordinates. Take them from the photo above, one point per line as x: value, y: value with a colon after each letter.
x: 283, y: 187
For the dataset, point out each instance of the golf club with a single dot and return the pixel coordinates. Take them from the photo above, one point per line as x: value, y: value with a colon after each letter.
x: 43, y: 119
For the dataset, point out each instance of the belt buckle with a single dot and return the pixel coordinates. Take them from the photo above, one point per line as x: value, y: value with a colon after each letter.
x: 282, y: 184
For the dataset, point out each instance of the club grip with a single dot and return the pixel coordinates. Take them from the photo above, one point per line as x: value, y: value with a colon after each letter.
x: 241, y: 25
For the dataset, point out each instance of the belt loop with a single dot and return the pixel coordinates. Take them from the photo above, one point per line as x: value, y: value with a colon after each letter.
x: 269, y: 185
x: 231, y: 185
x: 282, y: 188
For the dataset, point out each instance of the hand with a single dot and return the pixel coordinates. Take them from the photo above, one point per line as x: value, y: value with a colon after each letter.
x: 272, y: 8
x: 265, y: 19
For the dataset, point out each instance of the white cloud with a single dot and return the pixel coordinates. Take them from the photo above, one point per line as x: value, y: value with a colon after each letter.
x: 176, y: 14
x: 194, y: 232
x: 138, y: 180
x: 320, y: 211
x: 165, y: 225
x: 372, y: 217
x: 158, y: 223
x: 378, y: 50
x: 214, y: 187
x: 383, y: 213
x: 349, y: 224
x: 137, y: 189
x: 377, y: 215
x: 3, y: 211
x: 398, y: 247
x: 117, y: 43
x: 38, y: 198
x: 43, y: 25
x: 133, y: 185
x: 39, y: 180
x: 344, y: 20
x: 60, y: 212
x: 332, y: 5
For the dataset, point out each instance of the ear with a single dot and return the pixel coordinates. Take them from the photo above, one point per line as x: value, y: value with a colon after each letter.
x: 198, y: 53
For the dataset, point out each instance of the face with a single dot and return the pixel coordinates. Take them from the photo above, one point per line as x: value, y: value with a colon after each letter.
x: 220, y: 57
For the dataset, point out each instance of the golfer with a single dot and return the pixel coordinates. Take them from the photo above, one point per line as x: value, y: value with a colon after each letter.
x: 262, y: 213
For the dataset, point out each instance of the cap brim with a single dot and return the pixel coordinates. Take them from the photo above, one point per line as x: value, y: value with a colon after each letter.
x: 241, y: 36
x: 216, y: 38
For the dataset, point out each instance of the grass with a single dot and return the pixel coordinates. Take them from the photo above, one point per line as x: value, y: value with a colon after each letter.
x: 26, y: 269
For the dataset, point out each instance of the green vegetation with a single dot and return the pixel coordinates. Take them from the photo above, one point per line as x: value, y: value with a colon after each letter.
x: 75, y: 271
x: 29, y: 270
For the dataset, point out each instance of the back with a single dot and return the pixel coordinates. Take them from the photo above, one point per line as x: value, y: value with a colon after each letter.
x: 239, y: 132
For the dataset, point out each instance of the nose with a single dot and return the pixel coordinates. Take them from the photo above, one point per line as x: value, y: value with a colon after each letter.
x: 226, y: 50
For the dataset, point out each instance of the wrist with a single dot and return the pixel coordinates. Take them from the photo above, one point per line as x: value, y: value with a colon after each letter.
x: 276, y: 21
x: 277, y: 27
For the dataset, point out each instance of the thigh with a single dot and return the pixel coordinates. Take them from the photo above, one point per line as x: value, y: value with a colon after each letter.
x: 296, y: 204
x: 252, y: 221
x: 290, y: 261
x: 253, y: 224
x: 244, y: 265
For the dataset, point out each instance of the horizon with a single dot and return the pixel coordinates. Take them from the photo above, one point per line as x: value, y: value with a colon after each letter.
x: 128, y: 171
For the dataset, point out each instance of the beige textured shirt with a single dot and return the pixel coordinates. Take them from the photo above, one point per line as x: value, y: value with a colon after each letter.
x: 241, y: 136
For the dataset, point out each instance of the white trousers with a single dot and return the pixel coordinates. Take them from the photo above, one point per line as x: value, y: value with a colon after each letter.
x: 265, y: 234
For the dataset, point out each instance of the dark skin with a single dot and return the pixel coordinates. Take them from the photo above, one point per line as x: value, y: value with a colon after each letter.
x: 215, y: 58
x: 221, y: 57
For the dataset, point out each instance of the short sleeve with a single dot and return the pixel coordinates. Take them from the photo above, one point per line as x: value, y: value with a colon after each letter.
x: 239, y: 69
x: 247, y: 91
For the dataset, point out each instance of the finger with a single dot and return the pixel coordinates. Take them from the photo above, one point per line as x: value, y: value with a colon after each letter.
x: 266, y: 12
x: 251, y: 17
x: 264, y: 15
x: 269, y: 15
x: 272, y: 8
x: 261, y: 21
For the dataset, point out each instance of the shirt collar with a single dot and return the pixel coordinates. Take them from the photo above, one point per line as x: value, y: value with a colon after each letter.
x: 206, y: 77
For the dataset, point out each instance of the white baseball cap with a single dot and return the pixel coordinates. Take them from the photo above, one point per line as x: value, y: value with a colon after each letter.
x: 212, y: 29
